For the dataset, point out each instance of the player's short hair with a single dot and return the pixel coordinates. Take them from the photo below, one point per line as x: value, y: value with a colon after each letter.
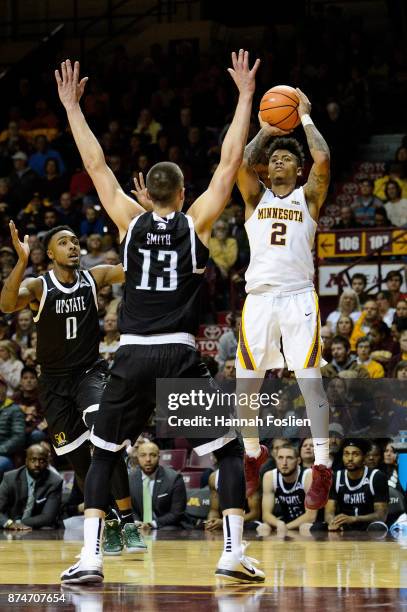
x: 55, y: 230
x: 290, y: 446
x: 362, y: 444
x: 289, y: 144
x: 341, y: 340
x: 163, y: 181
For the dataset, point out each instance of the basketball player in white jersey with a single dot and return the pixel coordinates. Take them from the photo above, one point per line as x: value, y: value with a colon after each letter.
x: 281, y: 301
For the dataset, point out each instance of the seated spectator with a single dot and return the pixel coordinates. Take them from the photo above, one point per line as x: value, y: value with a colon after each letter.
x: 67, y: 212
x: 359, y: 495
x: 38, y: 261
x: 12, y: 434
x: 390, y: 467
x: 27, y: 397
x: 228, y: 341
x: 214, y: 519
x: 380, y: 338
x: 363, y: 325
x: 358, y: 283
x: 147, y: 125
x: 30, y: 497
x: 400, y: 371
x: 222, y: 250
x: 344, y: 326
x: 24, y: 328
x: 44, y: 117
x: 111, y: 339
x: 50, y: 220
x: 395, y: 205
x: 326, y: 337
x: 95, y: 255
x: 158, y: 493
x: 401, y: 311
x: 81, y: 186
x: 91, y: 224
x: 10, y: 366
x: 228, y: 372
x: 24, y: 182
x: 394, y: 281
x: 395, y: 173
x: 363, y: 350
x: 307, y: 452
x: 366, y: 204
x: 53, y: 183
x: 386, y: 312
x: 374, y: 457
x: 342, y: 360
x: 348, y: 305
x: 43, y: 152
x: 336, y: 436
x: 348, y: 220
x: 284, y: 490
x: 31, y: 217
x: 381, y: 219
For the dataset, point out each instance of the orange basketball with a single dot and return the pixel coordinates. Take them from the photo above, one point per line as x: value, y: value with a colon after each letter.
x: 279, y: 107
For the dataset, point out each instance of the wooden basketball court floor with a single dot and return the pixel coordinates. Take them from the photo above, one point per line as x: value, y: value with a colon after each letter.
x: 332, y: 572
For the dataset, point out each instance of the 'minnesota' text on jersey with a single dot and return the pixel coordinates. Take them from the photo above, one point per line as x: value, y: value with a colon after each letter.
x: 164, y: 261
x: 67, y: 324
x: 281, y: 234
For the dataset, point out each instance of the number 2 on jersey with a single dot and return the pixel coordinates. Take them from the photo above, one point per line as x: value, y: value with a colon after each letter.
x: 278, y: 234
x: 167, y: 282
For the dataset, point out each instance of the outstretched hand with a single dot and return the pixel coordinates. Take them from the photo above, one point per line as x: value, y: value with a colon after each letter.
x: 140, y: 192
x: 22, y: 248
x: 70, y: 89
x: 304, y: 107
x: 244, y: 78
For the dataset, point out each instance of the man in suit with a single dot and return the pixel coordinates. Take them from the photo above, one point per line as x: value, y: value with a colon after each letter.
x: 30, y: 497
x: 158, y: 493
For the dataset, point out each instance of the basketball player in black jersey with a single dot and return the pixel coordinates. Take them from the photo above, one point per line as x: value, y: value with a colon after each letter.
x: 359, y: 495
x: 164, y: 254
x: 285, y: 487
x: 73, y: 375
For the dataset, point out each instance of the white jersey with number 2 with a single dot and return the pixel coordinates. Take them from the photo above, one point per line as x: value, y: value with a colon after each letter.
x: 281, y: 234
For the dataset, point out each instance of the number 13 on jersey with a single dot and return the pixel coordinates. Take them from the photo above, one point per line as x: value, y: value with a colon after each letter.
x: 169, y: 279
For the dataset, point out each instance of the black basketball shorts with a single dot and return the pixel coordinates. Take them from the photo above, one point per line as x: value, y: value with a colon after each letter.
x: 71, y: 403
x: 129, y: 397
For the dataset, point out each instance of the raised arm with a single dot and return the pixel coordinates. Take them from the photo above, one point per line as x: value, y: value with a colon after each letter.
x: 108, y: 275
x: 317, y: 184
x: 120, y: 207
x: 18, y: 293
x: 248, y: 181
x: 210, y: 205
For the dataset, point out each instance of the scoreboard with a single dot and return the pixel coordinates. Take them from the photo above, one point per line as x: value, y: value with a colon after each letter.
x: 359, y: 243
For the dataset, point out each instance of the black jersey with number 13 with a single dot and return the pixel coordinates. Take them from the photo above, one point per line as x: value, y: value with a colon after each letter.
x: 164, y: 261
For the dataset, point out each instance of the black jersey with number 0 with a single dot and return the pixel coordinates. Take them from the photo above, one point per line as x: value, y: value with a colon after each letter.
x: 67, y: 324
x: 290, y: 496
x: 164, y: 261
x: 357, y: 497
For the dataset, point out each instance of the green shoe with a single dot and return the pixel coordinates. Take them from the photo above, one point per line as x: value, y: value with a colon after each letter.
x: 113, y: 540
x: 132, y: 539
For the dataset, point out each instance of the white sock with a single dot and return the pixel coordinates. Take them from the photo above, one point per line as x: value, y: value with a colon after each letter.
x: 93, y: 534
x: 232, y: 533
x: 321, y: 451
x: 252, y: 447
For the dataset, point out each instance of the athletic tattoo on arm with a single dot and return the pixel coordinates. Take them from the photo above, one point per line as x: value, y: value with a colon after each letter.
x: 255, y: 150
x: 318, y: 179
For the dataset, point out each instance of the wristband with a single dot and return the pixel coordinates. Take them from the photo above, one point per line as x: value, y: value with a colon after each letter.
x: 306, y: 120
